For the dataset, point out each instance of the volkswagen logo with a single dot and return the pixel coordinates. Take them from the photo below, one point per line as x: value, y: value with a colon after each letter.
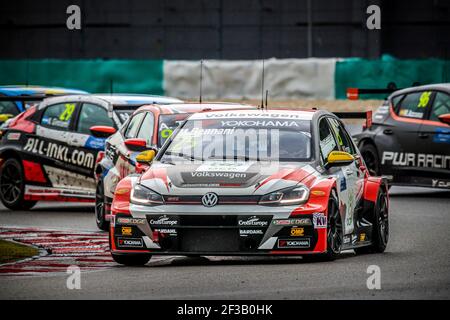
x: 210, y: 199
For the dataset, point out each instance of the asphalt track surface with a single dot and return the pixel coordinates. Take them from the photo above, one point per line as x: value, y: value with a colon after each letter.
x: 416, y: 264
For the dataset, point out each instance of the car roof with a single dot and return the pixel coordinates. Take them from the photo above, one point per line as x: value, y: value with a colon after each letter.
x: 196, y: 107
x: 436, y: 86
x: 256, y: 113
x: 136, y: 99
x: 16, y: 90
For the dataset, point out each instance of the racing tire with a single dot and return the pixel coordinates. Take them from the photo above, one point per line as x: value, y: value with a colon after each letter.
x: 100, y: 218
x: 131, y: 259
x: 370, y: 156
x: 334, y: 229
x: 12, y: 186
x: 334, y: 232
x: 380, y: 231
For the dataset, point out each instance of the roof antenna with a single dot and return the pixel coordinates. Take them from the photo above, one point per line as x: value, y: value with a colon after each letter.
x: 262, y: 86
x: 267, y: 94
x: 201, y: 80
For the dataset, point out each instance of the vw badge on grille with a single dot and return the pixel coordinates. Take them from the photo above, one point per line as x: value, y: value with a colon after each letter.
x: 210, y: 199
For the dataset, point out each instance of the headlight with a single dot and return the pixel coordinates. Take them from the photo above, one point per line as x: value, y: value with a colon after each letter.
x: 286, y: 197
x: 145, y: 196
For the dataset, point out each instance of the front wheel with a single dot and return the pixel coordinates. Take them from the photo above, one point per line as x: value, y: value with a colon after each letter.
x: 12, y: 186
x: 334, y: 230
x: 131, y: 259
x: 380, y: 231
x: 100, y: 217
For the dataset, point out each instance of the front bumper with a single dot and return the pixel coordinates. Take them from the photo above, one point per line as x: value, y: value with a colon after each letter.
x: 221, y: 230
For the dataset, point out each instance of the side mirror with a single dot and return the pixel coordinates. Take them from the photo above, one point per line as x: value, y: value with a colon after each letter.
x: 445, y: 118
x: 146, y: 157
x: 339, y: 158
x: 136, y: 144
x: 102, y: 131
x: 5, y: 116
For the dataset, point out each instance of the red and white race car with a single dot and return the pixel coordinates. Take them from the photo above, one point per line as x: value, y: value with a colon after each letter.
x: 251, y: 182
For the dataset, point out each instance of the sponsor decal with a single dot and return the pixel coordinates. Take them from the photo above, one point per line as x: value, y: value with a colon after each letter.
x: 201, y: 185
x: 203, y: 132
x: 95, y: 143
x: 245, y: 232
x: 226, y: 175
x: 319, y: 220
x: 260, y: 123
x: 127, y: 231
x: 406, y: 159
x: 130, y: 242
x: 343, y: 184
x: 362, y: 237
x: 166, y: 231
x: 354, y: 238
x: 60, y: 152
x: 346, y: 239
x: 13, y: 136
x: 440, y: 183
x: 252, y: 221
x: 251, y: 115
x: 164, y: 220
x: 442, y: 135
x: 292, y: 222
x: 297, y: 232
x: 297, y: 243
x: 222, y: 166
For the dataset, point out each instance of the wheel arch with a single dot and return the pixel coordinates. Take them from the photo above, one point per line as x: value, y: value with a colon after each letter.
x: 368, y: 140
x: 10, y: 153
x: 320, y: 194
x: 372, y: 188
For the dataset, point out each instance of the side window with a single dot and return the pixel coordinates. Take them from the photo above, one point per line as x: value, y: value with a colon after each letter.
x: 133, y: 125
x: 146, y: 130
x: 327, y: 142
x: 441, y: 105
x: 343, y: 138
x: 92, y: 115
x: 395, y: 100
x: 58, y: 116
x: 414, y: 104
x: 8, y: 107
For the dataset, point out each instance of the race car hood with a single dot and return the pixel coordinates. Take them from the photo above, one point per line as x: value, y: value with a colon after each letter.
x: 224, y: 177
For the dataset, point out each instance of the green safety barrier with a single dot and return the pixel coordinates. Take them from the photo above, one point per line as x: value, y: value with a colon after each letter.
x: 96, y: 76
x: 367, y: 74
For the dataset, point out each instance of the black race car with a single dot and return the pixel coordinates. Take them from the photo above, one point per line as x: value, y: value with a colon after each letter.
x: 409, y: 139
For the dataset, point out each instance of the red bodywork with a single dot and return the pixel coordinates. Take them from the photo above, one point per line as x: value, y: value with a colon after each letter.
x: 320, y: 191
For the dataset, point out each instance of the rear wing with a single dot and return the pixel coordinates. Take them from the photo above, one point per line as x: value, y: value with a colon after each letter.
x: 354, y: 93
x: 367, y: 115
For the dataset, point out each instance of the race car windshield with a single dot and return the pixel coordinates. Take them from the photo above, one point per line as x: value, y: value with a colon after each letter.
x: 167, y: 124
x: 248, y: 139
